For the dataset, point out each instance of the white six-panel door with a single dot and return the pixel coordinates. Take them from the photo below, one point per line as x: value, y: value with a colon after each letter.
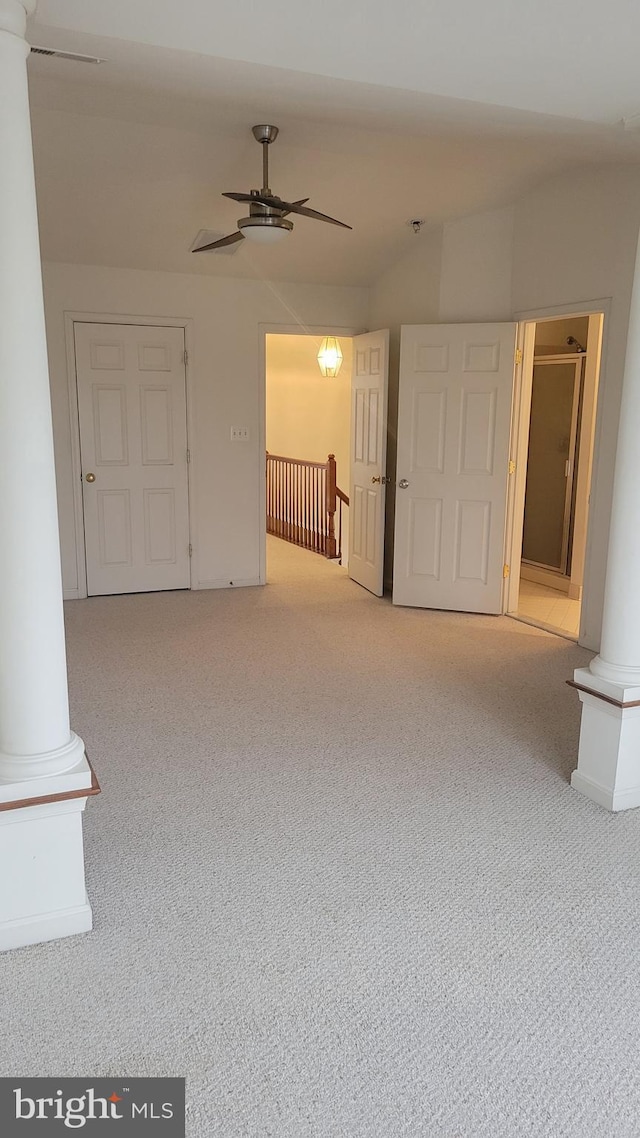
x: 454, y: 426
x: 133, y: 442
x: 367, y: 494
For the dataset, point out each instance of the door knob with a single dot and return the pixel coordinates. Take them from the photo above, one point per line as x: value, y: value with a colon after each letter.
x: 403, y: 484
x: 378, y: 479
x: 90, y: 477
x: 383, y: 480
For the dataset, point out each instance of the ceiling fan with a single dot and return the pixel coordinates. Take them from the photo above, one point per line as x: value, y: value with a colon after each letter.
x: 268, y: 215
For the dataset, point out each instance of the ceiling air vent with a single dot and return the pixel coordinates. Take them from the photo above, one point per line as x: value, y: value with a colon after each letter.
x: 73, y: 55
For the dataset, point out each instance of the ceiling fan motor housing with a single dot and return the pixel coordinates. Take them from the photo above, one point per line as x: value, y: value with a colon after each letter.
x: 269, y: 220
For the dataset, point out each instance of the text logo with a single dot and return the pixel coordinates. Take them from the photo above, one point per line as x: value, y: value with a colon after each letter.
x: 137, y: 1107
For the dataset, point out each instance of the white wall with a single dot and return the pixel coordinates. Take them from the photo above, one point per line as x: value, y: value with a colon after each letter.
x: 575, y: 241
x: 226, y: 385
x: 569, y: 241
x: 408, y: 293
x: 477, y: 254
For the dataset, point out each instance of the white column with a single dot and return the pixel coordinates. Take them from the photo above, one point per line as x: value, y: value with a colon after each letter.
x: 39, y: 754
x: 609, y: 752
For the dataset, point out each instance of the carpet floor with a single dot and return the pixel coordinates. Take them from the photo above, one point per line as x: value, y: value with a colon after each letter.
x: 339, y: 879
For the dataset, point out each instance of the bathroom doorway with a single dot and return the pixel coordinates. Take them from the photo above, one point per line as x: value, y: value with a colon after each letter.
x: 558, y: 410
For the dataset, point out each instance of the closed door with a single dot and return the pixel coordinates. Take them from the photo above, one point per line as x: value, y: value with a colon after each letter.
x: 369, y: 386
x: 133, y: 442
x: 454, y: 427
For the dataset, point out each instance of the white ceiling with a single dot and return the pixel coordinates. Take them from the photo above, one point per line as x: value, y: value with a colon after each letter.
x: 132, y: 156
x: 565, y: 57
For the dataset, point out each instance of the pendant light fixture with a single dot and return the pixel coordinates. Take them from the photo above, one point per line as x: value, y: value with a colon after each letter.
x: 330, y: 356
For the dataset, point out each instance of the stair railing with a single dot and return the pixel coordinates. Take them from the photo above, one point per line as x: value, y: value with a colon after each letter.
x: 302, y: 500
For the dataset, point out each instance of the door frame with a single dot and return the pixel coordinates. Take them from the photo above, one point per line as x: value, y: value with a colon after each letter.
x: 71, y: 318
x: 264, y: 330
x: 521, y: 414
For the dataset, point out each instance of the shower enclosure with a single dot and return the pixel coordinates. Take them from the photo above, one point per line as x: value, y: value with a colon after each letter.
x: 552, y: 462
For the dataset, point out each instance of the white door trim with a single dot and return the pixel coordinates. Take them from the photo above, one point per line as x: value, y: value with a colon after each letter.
x: 265, y: 330
x: 520, y: 433
x: 75, y: 317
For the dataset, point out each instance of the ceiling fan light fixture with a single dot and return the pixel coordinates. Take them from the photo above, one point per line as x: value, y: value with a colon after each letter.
x: 264, y: 230
x: 330, y: 356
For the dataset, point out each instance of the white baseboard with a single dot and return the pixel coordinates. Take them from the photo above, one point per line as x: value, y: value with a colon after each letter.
x: 225, y: 583
x: 71, y: 594
x: 45, y: 926
x: 614, y: 801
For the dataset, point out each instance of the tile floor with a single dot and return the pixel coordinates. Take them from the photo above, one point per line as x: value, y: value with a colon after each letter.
x: 549, y: 608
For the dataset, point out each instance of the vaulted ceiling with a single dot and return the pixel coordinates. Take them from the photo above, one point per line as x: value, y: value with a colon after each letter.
x: 387, y: 112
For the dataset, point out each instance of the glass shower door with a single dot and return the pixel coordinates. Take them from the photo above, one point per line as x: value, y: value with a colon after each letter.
x: 555, y: 404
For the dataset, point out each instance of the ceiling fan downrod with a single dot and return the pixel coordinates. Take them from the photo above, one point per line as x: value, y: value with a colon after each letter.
x: 265, y: 135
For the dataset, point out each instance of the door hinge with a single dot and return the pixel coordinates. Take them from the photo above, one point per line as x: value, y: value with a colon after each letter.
x: 518, y: 356
x: 506, y: 569
x: 186, y: 356
x: 190, y: 550
x: 188, y: 455
x: 512, y: 466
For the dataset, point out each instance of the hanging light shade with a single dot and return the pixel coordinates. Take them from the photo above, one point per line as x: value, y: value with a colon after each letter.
x: 330, y: 356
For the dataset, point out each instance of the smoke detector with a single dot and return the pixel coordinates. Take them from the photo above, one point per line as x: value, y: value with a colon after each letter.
x: 73, y: 55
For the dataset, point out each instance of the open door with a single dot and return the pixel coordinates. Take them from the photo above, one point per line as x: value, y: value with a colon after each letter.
x: 369, y: 390
x: 454, y: 429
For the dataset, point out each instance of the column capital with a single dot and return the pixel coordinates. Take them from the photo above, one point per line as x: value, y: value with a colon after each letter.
x: 13, y: 15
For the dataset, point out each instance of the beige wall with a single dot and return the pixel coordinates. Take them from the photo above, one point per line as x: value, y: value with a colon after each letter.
x: 308, y: 414
x: 226, y: 389
x: 569, y: 241
x: 477, y: 256
x: 575, y: 241
x: 551, y: 335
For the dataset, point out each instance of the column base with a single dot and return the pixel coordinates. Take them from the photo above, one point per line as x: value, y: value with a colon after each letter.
x: 46, y: 926
x: 608, y: 769
x: 42, y: 891
x: 66, y: 764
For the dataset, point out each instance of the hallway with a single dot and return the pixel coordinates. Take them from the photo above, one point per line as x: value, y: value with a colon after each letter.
x: 339, y: 879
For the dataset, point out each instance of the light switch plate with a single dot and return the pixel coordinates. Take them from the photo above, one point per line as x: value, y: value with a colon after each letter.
x: 239, y: 434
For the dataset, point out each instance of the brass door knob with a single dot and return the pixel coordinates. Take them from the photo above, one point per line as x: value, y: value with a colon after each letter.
x: 90, y: 477
x: 378, y: 479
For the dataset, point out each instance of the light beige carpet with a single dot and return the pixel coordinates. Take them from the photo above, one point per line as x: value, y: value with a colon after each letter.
x: 340, y: 881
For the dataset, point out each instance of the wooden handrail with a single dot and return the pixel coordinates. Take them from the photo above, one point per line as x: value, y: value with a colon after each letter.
x: 302, y: 499
x: 298, y: 461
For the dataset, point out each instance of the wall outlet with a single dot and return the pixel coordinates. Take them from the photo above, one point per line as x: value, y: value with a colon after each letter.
x: 239, y: 434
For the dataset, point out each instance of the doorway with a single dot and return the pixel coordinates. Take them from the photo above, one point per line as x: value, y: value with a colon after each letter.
x: 307, y: 431
x: 556, y: 430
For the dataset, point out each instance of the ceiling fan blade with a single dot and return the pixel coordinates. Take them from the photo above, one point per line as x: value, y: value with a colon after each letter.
x: 287, y: 207
x: 302, y: 201
x: 245, y: 198
x: 294, y: 207
x: 229, y: 240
